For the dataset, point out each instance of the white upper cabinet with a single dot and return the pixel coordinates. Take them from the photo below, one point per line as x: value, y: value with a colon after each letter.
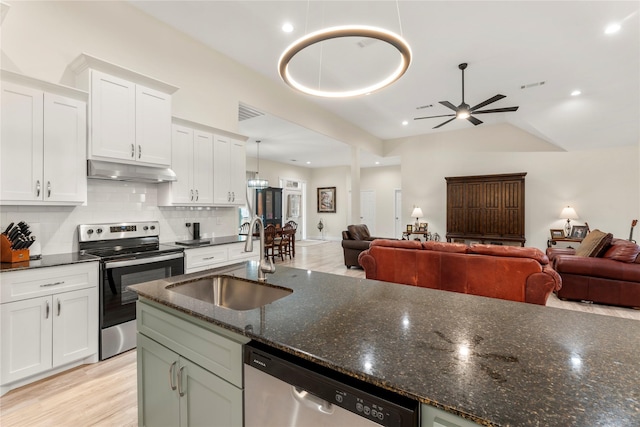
x: 192, y: 161
x: 229, y: 171
x: 113, y: 102
x: 43, y: 142
x: 129, y: 113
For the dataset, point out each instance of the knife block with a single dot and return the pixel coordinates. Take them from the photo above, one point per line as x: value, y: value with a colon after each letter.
x: 11, y: 255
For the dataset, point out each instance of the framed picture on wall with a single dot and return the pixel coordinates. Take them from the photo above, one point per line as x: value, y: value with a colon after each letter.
x: 423, y: 226
x: 409, y: 228
x: 327, y: 200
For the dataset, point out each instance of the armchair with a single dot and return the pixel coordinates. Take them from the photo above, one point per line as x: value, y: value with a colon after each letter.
x: 355, y: 239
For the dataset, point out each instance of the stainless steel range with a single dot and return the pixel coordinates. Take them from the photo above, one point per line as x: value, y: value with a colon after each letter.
x: 130, y: 253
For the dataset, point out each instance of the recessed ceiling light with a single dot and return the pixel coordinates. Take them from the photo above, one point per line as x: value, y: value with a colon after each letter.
x: 576, y: 92
x: 377, y: 163
x: 612, y: 28
x: 404, y: 122
x: 308, y: 162
x: 287, y: 27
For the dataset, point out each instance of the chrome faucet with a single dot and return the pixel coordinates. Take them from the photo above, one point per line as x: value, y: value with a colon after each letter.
x: 248, y: 247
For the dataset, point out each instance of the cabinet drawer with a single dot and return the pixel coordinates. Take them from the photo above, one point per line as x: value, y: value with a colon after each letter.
x: 236, y: 252
x: 214, y: 352
x: 203, y: 258
x: 24, y: 284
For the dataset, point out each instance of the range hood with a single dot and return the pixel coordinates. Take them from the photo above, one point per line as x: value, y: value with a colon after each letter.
x: 98, y: 169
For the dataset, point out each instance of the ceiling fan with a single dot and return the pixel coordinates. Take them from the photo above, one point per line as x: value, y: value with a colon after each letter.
x: 463, y: 111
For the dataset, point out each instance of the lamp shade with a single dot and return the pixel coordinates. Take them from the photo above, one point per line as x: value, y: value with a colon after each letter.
x: 417, y: 213
x: 568, y: 213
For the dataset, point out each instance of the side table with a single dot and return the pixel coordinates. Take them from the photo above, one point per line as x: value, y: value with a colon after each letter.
x: 553, y: 242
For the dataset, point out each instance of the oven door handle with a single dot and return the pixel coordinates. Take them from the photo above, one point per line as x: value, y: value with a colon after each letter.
x: 130, y: 262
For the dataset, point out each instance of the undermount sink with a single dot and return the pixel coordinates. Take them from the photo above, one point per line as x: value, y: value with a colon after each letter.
x: 232, y: 292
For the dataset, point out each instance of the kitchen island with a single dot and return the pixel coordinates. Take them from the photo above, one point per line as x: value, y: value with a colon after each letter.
x: 491, y: 361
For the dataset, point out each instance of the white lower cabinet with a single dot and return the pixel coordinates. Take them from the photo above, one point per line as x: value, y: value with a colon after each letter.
x: 189, y: 374
x: 49, y: 322
x: 198, y: 259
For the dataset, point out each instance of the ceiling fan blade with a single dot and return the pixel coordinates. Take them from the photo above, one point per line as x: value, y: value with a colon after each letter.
x: 434, y: 117
x: 444, y: 123
x: 449, y: 105
x: 497, y: 110
x: 488, y: 101
x: 474, y: 120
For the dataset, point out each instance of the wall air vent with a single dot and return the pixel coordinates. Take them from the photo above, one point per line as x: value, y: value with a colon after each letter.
x: 245, y: 112
x: 530, y: 85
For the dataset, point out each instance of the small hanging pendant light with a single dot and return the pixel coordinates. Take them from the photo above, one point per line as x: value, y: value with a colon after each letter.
x: 256, y: 182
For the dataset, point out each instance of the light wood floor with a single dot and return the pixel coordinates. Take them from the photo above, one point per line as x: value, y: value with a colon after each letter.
x: 104, y: 394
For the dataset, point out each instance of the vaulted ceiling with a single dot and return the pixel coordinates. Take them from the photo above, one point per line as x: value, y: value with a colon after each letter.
x: 536, y: 53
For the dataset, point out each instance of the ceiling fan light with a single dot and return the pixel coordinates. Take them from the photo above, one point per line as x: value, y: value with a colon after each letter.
x: 463, y: 114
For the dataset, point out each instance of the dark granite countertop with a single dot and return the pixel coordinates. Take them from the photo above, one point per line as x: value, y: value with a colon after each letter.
x: 495, y: 362
x: 215, y: 241
x: 48, y: 261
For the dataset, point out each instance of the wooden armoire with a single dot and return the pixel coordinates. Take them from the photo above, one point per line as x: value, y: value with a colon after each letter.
x: 486, y: 208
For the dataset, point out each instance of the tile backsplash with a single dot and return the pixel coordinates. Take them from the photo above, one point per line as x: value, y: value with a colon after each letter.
x: 55, y: 227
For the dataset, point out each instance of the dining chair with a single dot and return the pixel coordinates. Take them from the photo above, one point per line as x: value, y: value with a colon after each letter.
x: 270, y: 241
x: 244, y: 229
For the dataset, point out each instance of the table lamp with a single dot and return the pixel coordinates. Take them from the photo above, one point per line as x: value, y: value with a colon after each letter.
x: 568, y: 213
x: 417, y: 212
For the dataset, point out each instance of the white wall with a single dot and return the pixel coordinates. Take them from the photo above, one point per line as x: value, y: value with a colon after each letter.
x: 599, y: 184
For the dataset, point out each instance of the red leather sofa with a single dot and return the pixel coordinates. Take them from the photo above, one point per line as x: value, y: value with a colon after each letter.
x: 505, y: 272
x: 612, y: 278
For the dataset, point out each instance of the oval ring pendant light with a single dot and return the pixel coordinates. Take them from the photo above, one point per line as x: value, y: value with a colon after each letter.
x: 339, y: 32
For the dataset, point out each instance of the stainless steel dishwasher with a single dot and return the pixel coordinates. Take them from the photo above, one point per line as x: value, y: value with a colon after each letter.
x: 284, y: 390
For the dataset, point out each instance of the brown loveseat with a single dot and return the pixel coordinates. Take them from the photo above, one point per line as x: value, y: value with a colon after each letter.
x: 613, y: 277
x: 355, y: 239
x: 505, y: 272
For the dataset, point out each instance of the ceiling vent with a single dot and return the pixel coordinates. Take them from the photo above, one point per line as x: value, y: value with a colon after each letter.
x: 530, y: 85
x: 245, y: 112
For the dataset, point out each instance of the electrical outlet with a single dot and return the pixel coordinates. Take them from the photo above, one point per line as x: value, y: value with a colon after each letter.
x: 188, y: 225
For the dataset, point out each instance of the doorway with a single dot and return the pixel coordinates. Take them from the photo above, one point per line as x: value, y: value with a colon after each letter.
x: 368, y: 210
x: 398, y: 229
x: 293, y: 203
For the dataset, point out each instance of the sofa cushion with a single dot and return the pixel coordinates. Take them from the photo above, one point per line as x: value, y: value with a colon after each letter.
x: 359, y: 231
x: 459, y: 248
x: 622, y: 250
x: 406, y: 244
x: 510, y: 251
x: 595, y: 244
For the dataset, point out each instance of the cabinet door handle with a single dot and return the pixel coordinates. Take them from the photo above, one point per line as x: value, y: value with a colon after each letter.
x: 38, y: 188
x: 171, y: 373
x: 133, y: 151
x: 180, y: 390
x: 233, y: 196
x: 48, y: 189
x: 208, y: 258
x: 52, y: 284
x: 197, y: 196
x: 139, y: 151
x: 46, y: 315
x: 58, y: 306
x: 191, y: 191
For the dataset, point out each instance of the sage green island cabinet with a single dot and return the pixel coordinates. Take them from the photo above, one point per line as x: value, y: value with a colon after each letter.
x: 433, y: 417
x: 189, y: 371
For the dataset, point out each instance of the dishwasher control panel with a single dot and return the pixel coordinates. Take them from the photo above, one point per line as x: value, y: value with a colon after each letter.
x: 322, y: 387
